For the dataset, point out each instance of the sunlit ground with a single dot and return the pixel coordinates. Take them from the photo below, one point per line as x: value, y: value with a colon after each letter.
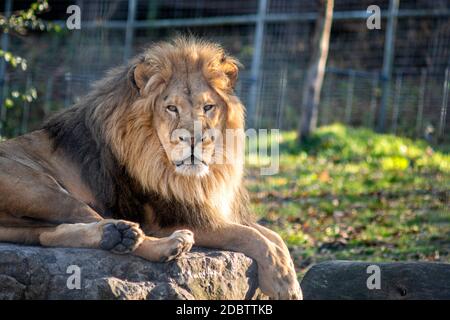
x: 357, y: 195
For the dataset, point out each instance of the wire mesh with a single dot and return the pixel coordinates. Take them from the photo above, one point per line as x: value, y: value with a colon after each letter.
x: 62, y: 67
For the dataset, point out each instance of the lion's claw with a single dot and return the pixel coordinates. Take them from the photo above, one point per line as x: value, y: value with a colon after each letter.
x: 179, y: 242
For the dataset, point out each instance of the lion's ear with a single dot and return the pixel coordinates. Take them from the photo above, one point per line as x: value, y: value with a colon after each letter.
x: 139, y: 75
x: 230, y: 67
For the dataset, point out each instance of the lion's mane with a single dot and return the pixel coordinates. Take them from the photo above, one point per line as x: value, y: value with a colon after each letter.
x: 110, y: 135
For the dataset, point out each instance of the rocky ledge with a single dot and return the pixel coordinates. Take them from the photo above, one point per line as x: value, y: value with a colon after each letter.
x: 62, y: 273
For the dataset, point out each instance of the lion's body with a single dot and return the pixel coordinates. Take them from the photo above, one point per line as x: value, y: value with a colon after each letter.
x: 115, y: 160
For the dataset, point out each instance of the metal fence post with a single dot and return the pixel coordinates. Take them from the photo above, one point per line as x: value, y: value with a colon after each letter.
x: 388, y: 58
x: 68, y: 94
x: 444, y: 103
x: 282, y: 97
x: 26, y: 107
x: 397, y: 96
x: 421, y: 103
x: 373, y: 102
x: 129, y: 29
x: 255, y: 72
x: 349, y: 100
x: 48, y: 96
x: 326, y: 105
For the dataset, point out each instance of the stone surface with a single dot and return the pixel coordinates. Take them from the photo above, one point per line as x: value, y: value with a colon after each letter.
x: 46, y: 273
x: 347, y: 280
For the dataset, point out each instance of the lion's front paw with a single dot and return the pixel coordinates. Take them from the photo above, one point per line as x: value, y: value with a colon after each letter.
x: 120, y: 236
x: 178, y: 243
x: 277, y: 277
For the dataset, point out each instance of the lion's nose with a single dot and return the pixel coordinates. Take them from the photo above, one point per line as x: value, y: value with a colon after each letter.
x: 187, y: 138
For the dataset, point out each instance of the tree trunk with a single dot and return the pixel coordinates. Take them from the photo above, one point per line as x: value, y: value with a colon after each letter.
x: 316, y: 69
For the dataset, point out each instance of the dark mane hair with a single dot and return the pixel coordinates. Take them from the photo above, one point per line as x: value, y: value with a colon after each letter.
x: 76, y: 131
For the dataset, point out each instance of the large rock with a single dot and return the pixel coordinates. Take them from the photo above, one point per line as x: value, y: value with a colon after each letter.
x: 349, y: 280
x: 51, y: 273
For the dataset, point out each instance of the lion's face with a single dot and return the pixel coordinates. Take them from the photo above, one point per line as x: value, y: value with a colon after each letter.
x: 188, y: 117
x: 173, y: 127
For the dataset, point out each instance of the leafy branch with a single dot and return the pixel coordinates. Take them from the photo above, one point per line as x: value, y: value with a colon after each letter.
x: 19, y: 23
x: 23, y: 20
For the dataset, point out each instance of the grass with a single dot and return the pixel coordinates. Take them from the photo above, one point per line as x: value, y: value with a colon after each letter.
x: 357, y: 195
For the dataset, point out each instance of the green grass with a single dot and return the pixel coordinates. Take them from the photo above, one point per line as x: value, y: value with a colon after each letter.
x: 357, y: 195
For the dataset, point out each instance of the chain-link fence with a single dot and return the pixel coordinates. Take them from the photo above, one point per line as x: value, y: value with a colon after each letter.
x: 272, y: 38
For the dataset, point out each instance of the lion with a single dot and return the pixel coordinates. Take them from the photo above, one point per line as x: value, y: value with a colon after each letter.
x: 121, y: 170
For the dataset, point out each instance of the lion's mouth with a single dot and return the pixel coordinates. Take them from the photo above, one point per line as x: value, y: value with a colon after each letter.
x: 190, y: 161
x: 191, y: 166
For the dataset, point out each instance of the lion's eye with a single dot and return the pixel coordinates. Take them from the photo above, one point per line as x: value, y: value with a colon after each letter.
x: 208, y: 107
x: 172, y: 108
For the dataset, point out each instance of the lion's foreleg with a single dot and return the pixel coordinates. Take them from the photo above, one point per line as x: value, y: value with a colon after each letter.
x: 271, y: 235
x: 277, y: 277
x: 117, y: 236
x: 22, y: 235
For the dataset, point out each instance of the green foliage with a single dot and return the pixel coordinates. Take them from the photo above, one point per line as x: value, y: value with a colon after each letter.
x: 20, y: 22
x: 15, y: 96
x: 354, y: 194
x: 14, y: 61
